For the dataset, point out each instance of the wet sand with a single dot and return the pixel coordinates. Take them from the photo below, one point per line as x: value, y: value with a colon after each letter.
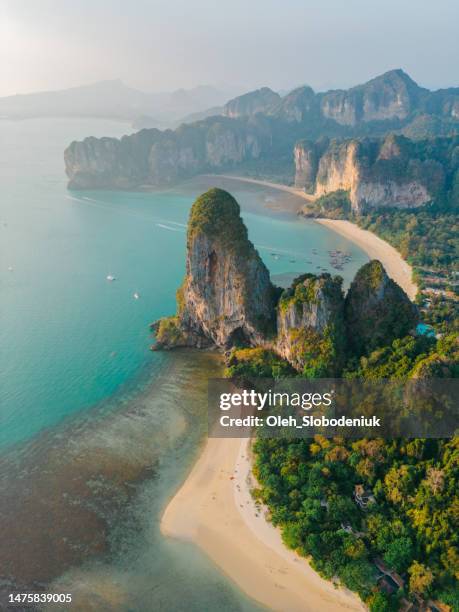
x: 214, y: 509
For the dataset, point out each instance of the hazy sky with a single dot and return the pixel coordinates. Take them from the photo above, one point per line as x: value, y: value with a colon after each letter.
x: 166, y: 44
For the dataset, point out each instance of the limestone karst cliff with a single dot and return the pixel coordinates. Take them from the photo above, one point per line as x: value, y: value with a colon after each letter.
x: 392, y: 172
x: 258, y: 101
x: 389, y: 97
x: 258, y: 133
x: 227, y: 296
x: 376, y: 310
x: 310, y: 329
x: 161, y: 158
x: 227, y: 300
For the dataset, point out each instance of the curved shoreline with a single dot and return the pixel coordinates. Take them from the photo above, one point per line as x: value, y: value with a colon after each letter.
x: 214, y: 510
x: 245, y: 179
x: 376, y: 248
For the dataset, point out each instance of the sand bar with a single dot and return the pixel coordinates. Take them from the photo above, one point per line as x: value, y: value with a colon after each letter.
x: 214, y: 509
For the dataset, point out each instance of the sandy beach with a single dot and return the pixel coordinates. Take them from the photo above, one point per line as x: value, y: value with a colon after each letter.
x: 376, y: 248
x: 245, y: 179
x: 214, y: 509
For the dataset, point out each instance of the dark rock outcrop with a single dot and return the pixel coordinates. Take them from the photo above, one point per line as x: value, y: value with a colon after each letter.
x: 226, y: 298
x: 310, y: 324
x: 376, y: 310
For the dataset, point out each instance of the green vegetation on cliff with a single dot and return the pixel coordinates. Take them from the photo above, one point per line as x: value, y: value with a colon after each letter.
x: 318, y: 351
x: 376, y: 310
x: 257, y: 362
x: 310, y: 325
x: 168, y: 332
x: 226, y: 298
x: 217, y: 214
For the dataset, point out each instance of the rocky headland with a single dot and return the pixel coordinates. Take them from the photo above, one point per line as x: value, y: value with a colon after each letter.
x: 227, y: 297
x: 227, y: 300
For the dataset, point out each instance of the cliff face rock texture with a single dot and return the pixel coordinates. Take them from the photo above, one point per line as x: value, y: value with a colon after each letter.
x: 299, y: 105
x: 258, y: 130
x: 153, y: 157
x: 306, y: 158
x: 391, y: 172
x: 258, y: 101
x: 226, y: 297
x: 376, y: 310
x: 392, y: 95
x: 227, y: 300
x: 310, y: 323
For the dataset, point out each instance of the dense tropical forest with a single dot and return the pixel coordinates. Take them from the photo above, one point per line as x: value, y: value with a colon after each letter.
x: 360, y: 508
x: 428, y: 239
x: 378, y: 516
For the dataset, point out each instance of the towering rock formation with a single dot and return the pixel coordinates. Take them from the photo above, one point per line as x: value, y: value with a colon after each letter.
x: 226, y: 297
x: 376, y: 310
x: 392, y: 172
x: 306, y: 156
x: 259, y: 101
x: 310, y: 325
x: 392, y: 95
x: 227, y: 300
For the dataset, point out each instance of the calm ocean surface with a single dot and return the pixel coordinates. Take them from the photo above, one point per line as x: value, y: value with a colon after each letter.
x: 78, y: 384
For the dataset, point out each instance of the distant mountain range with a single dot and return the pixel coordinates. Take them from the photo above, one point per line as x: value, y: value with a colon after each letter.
x: 388, y: 97
x: 114, y: 100
x: 391, y: 97
x: 265, y: 135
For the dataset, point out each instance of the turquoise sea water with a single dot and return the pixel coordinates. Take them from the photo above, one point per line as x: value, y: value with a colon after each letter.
x: 79, y: 385
x: 69, y: 337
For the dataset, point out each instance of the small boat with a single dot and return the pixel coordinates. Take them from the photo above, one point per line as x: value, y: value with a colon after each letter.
x: 111, y: 278
x: 136, y: 295
x: 10, y: 268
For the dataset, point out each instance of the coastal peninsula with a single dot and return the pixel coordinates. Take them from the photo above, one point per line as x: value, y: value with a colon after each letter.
x: 310, y: 327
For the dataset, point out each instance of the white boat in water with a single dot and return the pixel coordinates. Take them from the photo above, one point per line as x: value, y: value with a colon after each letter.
x: 110, y: 278
x: 136, y: 295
